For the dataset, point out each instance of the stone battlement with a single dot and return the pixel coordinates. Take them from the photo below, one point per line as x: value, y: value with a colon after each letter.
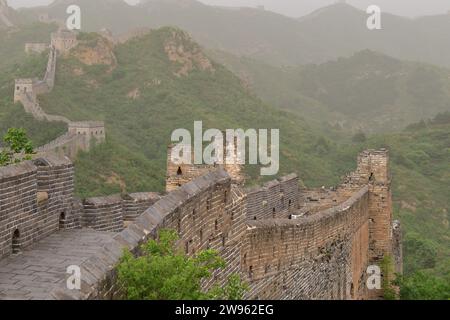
x: 37, y: 200
x: 292, y: 256
x: 64, y: 40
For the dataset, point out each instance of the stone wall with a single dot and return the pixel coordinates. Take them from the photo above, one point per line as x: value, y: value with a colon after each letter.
x: 179, y: 174
x: 66, y: 145
x: 103, y: 214
x: 135, y: 204
x: 81, y: 136
x: 35, y: 196
x: 113, y: 213
x: 316, y: 257
x: 207, y: 213
x: 64, y: 40
x: 276, y: 199
x: 323, y: 254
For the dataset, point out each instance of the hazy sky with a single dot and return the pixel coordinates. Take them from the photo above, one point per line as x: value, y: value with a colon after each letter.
x: 299, y: 8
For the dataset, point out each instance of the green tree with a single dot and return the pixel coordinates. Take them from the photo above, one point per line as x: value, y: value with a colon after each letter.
x: 423, y: 286
x: 163, y: 272
x: 387, y: 269
x: 359, y: 137
x: 18, y: 147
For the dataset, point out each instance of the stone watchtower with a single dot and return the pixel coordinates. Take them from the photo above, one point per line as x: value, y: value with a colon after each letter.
x: 373, y: 168
x: 23, y: 86
x: 64, y: 40
x: 178, y: 175
x: 88, y: 133
x: 92, y: 129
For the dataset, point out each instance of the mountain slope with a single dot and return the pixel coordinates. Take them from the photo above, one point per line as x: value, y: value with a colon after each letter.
x: 157, y: 83
x: 421, y: 187
x: 335, y: 31
x: 14, y: 63
x: 367, y: 91
x: 162, y: 82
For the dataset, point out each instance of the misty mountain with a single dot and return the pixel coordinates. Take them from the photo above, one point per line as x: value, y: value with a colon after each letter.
x: 335, y: 31
x: 163, y: 81
x: 368, y: 91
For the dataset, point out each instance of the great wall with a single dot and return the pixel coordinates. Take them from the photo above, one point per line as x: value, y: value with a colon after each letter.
x: 285, y: 241
x: 80, y: 135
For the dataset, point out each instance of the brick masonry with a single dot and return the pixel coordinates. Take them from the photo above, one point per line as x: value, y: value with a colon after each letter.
x: 321, y: 252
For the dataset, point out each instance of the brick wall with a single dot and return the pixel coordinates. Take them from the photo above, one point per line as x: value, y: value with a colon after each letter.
x: 321, y: 255
x: 55, y: 177
x: 103, y: 214
x: 276, y: 199
x: 135, y: 204
x: 35, y: 198
x: 307, y: 258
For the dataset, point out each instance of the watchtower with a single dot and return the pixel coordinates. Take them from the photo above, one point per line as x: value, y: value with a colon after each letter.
x: 64, y: 40
x: 373, y: 169
x: 89, y: 129
x: 23, y: 86
x: 179, y: 174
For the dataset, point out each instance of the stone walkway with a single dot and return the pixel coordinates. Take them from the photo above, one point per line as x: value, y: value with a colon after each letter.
x: 32, y: 274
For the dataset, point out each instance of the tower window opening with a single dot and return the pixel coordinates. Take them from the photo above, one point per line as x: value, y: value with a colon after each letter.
x: 16, y: 242
x: 62, y: 220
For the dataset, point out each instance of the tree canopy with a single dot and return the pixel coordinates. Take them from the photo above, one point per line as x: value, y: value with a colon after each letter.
x: 163, y: 272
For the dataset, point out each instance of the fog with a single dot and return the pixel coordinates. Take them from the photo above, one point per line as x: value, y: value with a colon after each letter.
x: 301, y: 7
x: 297, y: 8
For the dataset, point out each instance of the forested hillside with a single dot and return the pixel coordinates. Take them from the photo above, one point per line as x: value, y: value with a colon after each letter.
x: 368, y: 92
x: 149, y: 86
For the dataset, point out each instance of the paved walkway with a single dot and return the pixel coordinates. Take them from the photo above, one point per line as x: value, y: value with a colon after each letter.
x: 32, y: 274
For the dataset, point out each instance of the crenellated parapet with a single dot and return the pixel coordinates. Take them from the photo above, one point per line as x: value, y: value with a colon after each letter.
x: 64, y: 40
x: 318, y: 247
x: 275, y: 199
x: 35, y: 196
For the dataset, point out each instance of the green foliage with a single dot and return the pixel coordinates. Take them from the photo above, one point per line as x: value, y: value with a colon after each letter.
x: 17, y: 141
x: 18, y: 147
x: 421, y: 253
x: 387, y: 271
x: 163, y: 272
x: 360, y: 137
x: 367, y: 91
x: 423, y: 286
x: 134, y: 158
x: 139, y: 130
